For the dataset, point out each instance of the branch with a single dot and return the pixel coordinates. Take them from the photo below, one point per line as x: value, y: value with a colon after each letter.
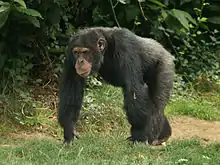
x: 142, y: 11
x: 113, y: 10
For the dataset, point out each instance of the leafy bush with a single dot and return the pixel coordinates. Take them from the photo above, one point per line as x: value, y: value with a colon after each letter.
x: 38, y: 31
x: 196, y: 46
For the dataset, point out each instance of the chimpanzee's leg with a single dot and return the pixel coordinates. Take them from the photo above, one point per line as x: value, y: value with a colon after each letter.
x: 138, y: 110
x: 161, y: 130
x: 159, y: 92
x: 71, y: 95
x: 166, y: 131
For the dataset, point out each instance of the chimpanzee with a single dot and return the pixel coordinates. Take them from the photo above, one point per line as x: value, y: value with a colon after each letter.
x: 140, y: 66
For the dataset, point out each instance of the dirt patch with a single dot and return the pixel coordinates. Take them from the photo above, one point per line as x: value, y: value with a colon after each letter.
x: 188, y: 127
x: 27, y: 135
x: 22, y: 135
x: 183, y: 127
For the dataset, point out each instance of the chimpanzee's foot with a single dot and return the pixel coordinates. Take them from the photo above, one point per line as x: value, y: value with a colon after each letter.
x: 75, y: 134
x: 160, y: 142
x: 67, y: 142
x: 138, y: 134
x: 130, y: 139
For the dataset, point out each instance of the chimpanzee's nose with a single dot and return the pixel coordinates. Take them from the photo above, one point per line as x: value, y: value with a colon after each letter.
x: 80, y: 62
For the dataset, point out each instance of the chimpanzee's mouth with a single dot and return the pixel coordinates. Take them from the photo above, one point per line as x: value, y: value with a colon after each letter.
x: 84, y: 74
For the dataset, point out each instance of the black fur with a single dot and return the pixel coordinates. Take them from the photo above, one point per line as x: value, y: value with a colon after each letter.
x: 141, y: 66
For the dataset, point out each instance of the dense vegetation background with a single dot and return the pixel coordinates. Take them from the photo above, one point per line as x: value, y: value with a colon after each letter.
x: 34, y: 35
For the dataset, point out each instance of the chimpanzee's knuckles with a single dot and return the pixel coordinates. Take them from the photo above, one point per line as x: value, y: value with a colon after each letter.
x: 67, y: 142
x: 75, y: 135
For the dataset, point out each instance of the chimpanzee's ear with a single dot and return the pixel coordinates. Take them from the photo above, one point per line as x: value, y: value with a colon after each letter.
x: 101, y: 44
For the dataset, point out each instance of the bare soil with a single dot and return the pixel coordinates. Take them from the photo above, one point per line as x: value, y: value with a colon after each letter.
x: 185, y: 127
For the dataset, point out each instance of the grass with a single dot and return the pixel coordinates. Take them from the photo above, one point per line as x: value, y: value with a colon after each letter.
x: 103, y: 112
x: 200, y: 108
x: 205, y: 107
x: 103, y: 128
x: 98, y: 149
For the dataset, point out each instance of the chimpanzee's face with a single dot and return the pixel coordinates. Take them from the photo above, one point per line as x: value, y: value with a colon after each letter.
x: 88, y: 53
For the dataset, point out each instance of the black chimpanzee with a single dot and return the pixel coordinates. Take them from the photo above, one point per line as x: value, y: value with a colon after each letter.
x: 141, y: 66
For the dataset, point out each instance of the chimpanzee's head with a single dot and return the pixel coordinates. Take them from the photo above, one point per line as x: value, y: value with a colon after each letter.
x: 88, y: 49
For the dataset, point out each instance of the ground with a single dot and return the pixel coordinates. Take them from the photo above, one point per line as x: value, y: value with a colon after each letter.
x: 93, y: 149
x: 183, y: 127
x: 103, y: 129
x: 187, y: 127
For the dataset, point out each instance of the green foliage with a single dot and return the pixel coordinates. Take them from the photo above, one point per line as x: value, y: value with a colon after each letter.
x: 182, y: 17
x: 16, y: 7
x: 41, y: 29
x: 198, y: 50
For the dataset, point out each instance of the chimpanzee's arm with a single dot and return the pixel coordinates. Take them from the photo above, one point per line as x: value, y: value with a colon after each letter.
x: 71, y: 95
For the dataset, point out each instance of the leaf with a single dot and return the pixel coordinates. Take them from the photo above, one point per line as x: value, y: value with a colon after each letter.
x: 4, y: 3
x: 137, y: 23
x: 213, y: 38
x: 184, y: 1
x: 34, y: 21
x: 131, y: 12
x: 164, y: 14
x: 86, y: 3
x: 53, y: 14
x: 61, y: 2
x: 213, y: 8
x: 173, y: 24
x: 157, y: 3
x: 180, y: 18
x: 124, y: 1
x: 183, y: 17
x: 197, y: 10
x: 29, y: 66
x: 4, y: 11
x: 154, y: 7
x: 173, y: 2
x: 206, y: 4
x: 203, y: 26
x: 70, y: 29
x: 198, y: 32
x: 30, y: 12
x: 214, y: 20
x: 21, y: 2
x: 216, y: 31
x: 203, y: 19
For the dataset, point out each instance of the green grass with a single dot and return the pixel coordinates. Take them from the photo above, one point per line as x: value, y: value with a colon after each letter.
x: 103, y: 107
x: 103, y: 129
x: 112, y: 149
x: 111, y: 100
x: 103, y: 112
x: 200, y: 108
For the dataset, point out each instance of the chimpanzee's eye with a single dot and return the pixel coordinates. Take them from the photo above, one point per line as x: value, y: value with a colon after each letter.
x: 84, y: 51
